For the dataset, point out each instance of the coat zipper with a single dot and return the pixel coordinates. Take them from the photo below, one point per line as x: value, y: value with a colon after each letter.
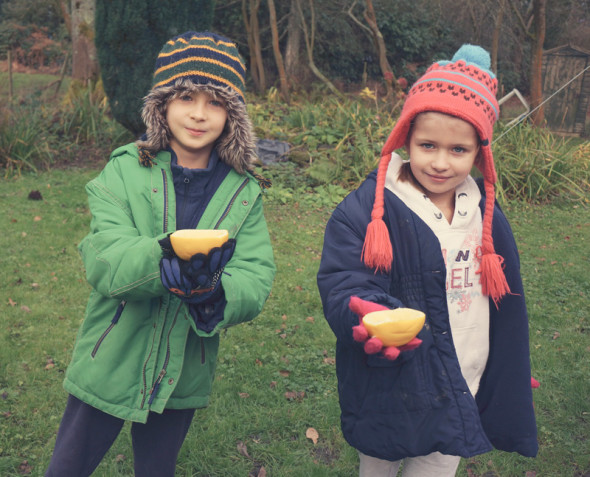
x: 156, y: 385
x: 165, y: 189
x: 164, y: 230
x: 231, y: 202
x: 114, y: 321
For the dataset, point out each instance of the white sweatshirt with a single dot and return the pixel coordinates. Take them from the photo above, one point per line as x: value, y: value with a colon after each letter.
x: 460, y: 243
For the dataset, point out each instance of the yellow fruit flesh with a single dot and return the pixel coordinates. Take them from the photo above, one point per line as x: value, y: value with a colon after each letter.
x: 187, y: 242
x: 394, y: 327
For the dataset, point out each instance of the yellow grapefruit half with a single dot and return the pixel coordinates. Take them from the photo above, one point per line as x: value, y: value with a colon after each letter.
x: 394, y: 327
x: 187, y: 242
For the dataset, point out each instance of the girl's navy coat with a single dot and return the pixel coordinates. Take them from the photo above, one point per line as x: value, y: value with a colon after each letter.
x: 420, y: 402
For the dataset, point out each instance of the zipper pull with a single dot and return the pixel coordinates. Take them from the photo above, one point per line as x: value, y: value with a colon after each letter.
x: 156, y: 386
x: 118, y: 312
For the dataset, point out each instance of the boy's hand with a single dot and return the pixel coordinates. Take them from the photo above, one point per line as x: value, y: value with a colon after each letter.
x: 373, y: 345
x: 196, y: 280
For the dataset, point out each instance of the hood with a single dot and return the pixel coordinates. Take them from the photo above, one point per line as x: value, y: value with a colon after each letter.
x: 236, y: 146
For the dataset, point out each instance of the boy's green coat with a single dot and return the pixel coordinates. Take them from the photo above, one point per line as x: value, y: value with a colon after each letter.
x: 138, y: 349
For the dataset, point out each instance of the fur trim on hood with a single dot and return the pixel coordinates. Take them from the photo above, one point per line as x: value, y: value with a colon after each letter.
x: 237, y: 144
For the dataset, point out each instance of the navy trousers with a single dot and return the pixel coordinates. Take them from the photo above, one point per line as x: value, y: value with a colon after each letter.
x: 86, y: 434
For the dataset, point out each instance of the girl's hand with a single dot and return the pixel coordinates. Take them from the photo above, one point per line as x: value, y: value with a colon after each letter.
x: 374, y: 345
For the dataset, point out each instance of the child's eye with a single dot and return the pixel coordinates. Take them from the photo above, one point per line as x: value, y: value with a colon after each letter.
x: 216, y: 103
x: 458, y: 149
x: 186, y: 97
x: 427, y: 145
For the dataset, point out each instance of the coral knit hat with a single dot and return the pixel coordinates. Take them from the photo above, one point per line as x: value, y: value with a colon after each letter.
x: 465, y: 88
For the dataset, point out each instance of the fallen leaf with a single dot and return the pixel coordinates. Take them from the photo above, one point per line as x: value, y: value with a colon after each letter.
x: 556, y: 335
x: 244, y: 395
x: 273, y: 384
x: 37, y: 218
x: 284, y: 373
x: 11, y: 302
x: 310, y: 319
x: 24, y: 468
x: 50, y: 364
x: 330, y: 361
x: 25, y: 309
x: 295, y: 395
x: 312, y: 434
x: 243, y: 450
x: 120, y: 458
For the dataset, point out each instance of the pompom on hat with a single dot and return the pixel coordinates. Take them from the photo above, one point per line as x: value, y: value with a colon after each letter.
x: 464, y: 88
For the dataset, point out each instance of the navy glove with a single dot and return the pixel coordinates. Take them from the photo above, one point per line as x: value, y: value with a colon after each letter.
x: 196, y: 280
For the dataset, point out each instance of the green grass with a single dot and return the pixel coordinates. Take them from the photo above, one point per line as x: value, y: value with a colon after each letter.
x: 26, y: 85
x: 275, y: 377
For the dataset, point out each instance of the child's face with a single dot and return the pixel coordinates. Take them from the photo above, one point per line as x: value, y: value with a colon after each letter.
x: 442, y: 151
x: 196, y: 120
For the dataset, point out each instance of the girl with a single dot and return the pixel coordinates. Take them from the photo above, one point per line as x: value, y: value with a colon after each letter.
x: 424, y: 234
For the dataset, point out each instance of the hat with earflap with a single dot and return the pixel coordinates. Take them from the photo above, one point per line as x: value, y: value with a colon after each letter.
x: 465, y: 88
x: 200, y: 61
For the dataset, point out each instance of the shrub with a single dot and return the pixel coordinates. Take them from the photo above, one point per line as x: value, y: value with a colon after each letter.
x: 537, y: 166
x: 24, y: 140
x: 129, y: 35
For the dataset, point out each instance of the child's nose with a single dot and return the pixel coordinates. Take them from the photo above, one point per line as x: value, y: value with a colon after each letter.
x: 440, y: 161
x: 199, y: 110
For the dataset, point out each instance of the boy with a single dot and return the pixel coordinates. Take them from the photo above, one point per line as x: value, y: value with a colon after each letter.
x: 147, y: 348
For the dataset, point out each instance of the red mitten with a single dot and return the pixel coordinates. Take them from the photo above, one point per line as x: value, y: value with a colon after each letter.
x: 359, y: 332
x: 373, y: 345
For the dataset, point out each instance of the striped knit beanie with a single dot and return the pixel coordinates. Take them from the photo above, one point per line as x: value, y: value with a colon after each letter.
x: 465, y: 88
x: 203, y: 58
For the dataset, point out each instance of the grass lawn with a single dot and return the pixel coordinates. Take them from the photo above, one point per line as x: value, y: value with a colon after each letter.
x: 275, y: 377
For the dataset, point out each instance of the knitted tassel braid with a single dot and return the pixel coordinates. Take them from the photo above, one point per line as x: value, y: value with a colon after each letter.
x: 377, y: 252
x: 493, y: 281
x: 464, y: 88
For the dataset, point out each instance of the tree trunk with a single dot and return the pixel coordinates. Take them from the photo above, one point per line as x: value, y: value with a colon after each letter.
x: 294, y: 46
x: 277, y: 50
x: 309, y: 37
x: 386, y: 70
x: 253, y: 34
x: 496, y: 34
x: 538, y: 116
x: 84, y: 59
x: 10, y: 79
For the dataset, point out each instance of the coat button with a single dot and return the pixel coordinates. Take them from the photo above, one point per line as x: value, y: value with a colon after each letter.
x: 154, y: 190
x: 244, y: 202
x: 171, y: 380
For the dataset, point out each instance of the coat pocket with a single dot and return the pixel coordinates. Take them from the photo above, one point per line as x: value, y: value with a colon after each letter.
x: 398, y: 386
x: 112, y: 324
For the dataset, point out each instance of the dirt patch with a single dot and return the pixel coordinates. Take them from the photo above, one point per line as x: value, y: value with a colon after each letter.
x: 82, y: 157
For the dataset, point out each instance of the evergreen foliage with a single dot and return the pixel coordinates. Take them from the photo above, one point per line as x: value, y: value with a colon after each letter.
x: 129, y: 35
